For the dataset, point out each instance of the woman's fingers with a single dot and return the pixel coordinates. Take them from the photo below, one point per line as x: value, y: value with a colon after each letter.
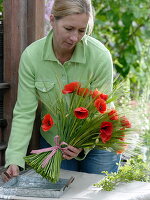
x: 5, y: 176
x: 12, y: 171
x: 71, y: 152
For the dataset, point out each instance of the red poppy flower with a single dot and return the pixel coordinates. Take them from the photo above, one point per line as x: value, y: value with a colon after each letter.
x: 120, y: 151
x: 83, y: 92
x: 106, y: 129
x: 97, y: 94
x: 47, y: 122
x: 125, y: 146
x: 100, y: 104
x: 81, y: 113
x: 125, y: 122
x: 71, y: 87
x: 104, y: 96
x: 113, y: 115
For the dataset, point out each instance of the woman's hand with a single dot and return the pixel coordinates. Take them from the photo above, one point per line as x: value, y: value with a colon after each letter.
x: 71, y: 152
x: 12, y: 171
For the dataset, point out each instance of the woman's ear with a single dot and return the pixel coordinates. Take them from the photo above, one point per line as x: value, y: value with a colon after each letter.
x: 52, y: 19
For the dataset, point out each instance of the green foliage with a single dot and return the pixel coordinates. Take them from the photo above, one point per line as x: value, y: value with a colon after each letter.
x: 147, y: 144
x: 135, y: 169
x: 141, y: 109
x: 1, y: 8
x: 124, y: 27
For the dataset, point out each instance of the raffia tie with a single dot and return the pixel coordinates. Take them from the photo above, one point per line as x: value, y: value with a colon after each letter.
x: 52, y: 149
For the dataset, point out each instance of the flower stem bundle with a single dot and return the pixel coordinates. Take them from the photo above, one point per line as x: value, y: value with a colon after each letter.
x: 51, y: 171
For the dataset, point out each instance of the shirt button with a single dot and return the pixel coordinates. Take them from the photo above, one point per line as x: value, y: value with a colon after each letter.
x: 44, y: 90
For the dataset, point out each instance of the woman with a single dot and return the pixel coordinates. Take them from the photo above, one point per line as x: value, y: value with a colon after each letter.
x: 69, y: 54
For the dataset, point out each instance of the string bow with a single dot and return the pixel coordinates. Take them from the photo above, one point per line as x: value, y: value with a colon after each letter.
x: 52, y: 149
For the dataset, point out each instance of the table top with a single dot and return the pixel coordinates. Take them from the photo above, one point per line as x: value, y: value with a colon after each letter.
x: 82, y: 189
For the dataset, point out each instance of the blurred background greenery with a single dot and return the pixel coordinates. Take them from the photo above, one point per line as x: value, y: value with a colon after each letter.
x: 124, y: 27
x: 1, y: 8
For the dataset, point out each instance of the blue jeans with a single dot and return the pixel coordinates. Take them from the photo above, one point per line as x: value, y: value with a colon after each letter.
x: 95, y: 162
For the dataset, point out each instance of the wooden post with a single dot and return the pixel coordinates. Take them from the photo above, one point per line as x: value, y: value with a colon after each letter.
x: 35, y: 25
x: 23, y: 24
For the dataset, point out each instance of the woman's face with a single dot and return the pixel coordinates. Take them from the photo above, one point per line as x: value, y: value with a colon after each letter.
x: 68, y: 31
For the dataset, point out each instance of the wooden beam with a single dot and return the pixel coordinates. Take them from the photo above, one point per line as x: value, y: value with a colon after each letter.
x: 15, y: 40
x: 35, y: 25
x: 23, y: 24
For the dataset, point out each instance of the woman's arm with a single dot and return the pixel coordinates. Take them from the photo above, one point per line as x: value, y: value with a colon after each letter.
x: 23, y: 114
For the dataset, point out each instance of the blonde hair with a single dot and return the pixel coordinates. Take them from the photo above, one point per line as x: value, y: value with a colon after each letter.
x: 62, y: 8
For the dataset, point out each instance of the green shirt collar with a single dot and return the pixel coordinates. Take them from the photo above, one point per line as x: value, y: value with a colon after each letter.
x: 78, y: 54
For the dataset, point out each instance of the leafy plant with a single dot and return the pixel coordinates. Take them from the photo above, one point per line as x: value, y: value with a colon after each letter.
x: 1, y: 5
x: 124, y: 27
x: 142, y: 107
x: 135, y: 169
x: 1, y: 9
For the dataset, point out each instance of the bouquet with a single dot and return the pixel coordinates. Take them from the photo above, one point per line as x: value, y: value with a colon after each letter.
x: 83, y: 120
